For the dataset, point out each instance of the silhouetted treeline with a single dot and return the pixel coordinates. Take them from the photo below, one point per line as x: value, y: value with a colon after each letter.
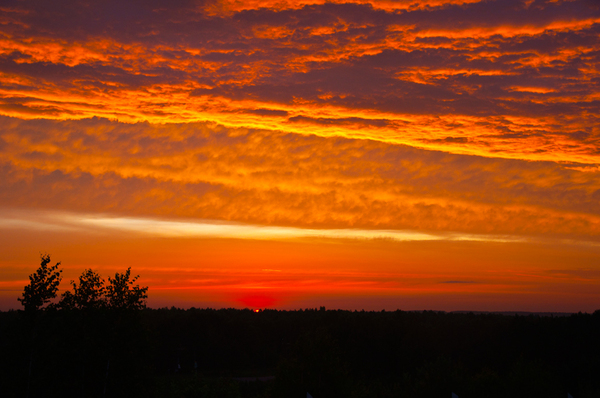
x: 204, y: 352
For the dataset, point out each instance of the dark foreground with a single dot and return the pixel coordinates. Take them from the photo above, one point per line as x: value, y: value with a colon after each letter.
x: 219, y: 353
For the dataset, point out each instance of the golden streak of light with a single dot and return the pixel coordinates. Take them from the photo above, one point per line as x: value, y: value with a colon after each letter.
x: 198, y: 229
x: 226, y: 7
x: 422, y: 131
x: 509, y: 30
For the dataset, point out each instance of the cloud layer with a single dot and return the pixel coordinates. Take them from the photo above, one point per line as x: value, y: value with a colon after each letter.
x: 206, y: 171
x: 513, y: 79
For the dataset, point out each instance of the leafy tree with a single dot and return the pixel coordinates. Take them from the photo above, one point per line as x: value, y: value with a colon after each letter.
x: 122, y: 294
x: 89, y: 294
x: 43, y: 285
x: 93, y: 293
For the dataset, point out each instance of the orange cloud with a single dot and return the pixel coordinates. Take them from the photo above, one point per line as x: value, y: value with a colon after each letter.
x: 207, y: 171
x: 393, y: 65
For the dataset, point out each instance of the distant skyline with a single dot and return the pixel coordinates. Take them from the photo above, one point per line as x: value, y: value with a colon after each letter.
x: 435, y: 154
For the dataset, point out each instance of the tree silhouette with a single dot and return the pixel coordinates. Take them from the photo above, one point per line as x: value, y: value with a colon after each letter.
x: 93, y: 293
x: 89, y: 294
x: 122, y: 294
x: 43, y: 285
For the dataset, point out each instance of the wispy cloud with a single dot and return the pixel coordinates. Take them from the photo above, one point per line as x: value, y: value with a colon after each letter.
x: 98, y: 224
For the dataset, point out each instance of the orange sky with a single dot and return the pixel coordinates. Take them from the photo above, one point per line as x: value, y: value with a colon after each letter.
x: 370, y: 154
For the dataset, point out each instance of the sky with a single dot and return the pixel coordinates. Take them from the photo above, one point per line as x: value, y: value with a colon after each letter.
x: 393, y: 154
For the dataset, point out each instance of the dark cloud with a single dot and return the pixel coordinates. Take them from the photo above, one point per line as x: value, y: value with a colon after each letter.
x: 451, y: 139
x: 341, y: 121
x: 509, y: 13
x: 579, y: 273
x: 267, y: 112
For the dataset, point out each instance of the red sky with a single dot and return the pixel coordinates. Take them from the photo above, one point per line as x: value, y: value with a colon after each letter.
x: 371, y: 154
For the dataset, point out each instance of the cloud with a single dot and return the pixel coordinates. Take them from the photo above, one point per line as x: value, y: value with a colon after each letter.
x: 208, y: 171
x: 268, y: 112
x: 438, y: 116
x: 98, y: 224
x: 510, y: 79
x: 583, y: 274
x: 341, y: 121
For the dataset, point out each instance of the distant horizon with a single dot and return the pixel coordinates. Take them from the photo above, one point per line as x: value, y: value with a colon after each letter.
x: 317, y: 308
